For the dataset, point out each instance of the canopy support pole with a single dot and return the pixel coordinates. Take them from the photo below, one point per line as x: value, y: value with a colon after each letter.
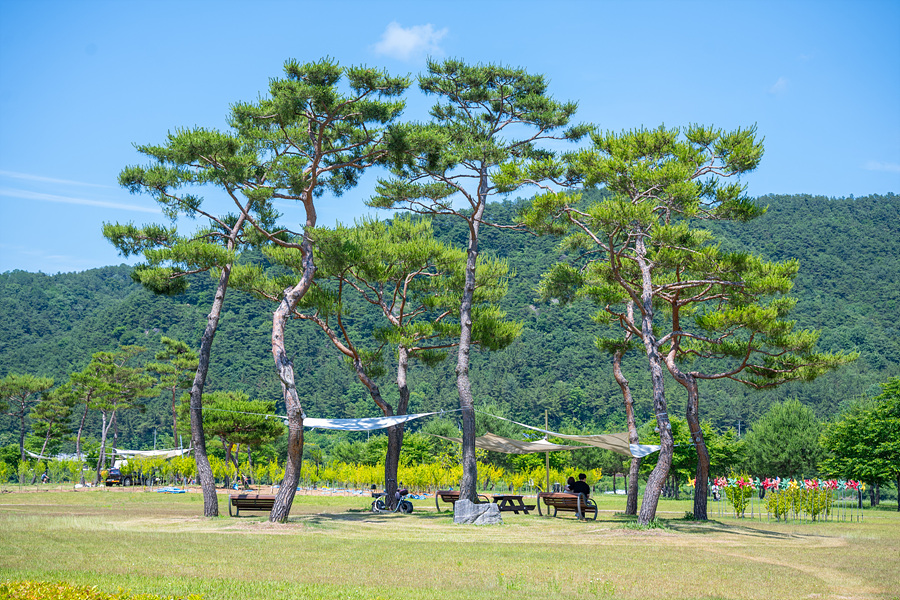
x: 547, y: 454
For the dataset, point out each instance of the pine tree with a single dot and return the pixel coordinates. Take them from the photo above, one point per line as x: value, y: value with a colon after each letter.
x: 486, y: 118
x: 18, y: 396
x: 651, y: 177
x: 322, y: 126
x: 50, y: 417
x: 192, y: 159
x: 175, y: 373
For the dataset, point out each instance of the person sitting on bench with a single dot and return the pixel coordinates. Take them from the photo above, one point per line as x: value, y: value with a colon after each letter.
x: 581, y: 486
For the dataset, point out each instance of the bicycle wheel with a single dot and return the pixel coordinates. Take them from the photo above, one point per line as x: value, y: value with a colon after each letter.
x: 406, y: 506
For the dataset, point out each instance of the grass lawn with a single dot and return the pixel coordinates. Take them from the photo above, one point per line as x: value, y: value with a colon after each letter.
x: 332, y: 547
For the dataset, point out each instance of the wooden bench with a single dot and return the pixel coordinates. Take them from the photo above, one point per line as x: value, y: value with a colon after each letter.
x: 576, y: 503
x: 451, y: 496
x: 261, y: 502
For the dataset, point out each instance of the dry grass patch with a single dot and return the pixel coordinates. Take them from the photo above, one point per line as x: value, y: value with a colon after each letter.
x: 332, y: 548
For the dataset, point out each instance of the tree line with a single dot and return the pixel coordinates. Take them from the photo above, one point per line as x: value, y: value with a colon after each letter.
x: 638, y: 251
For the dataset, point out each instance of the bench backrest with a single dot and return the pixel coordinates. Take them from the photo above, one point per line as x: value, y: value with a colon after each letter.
x: 566, y: 501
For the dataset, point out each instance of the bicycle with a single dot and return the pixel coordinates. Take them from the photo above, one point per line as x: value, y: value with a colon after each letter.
x: 402, y: 504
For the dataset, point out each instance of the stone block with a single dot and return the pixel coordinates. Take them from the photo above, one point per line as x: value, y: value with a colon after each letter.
x: 469, y: 513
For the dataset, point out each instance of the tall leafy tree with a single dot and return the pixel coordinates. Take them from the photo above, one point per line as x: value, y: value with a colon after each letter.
x: 784, y: 442
x: 485, y: 117
x: 18, y: 396
x: 865, y: 442
x: 320, y: 128
x: 175, y: 372
x: 652, y: 180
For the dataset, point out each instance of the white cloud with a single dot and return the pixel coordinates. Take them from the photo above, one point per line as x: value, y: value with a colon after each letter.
x: 27, y: 195
x: 873, y: 165
x: 780, y: 86
x: 409, y: 43
x: 43, y: 179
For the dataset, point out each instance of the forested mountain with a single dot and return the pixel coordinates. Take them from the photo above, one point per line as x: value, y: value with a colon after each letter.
x: 848, y: 287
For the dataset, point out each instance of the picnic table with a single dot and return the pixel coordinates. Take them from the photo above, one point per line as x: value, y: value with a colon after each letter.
x: 577, y: 503
x: 512, y: 502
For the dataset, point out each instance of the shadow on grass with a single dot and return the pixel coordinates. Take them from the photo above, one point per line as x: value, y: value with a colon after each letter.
x: 364, y: 516
x: 690, y: 526
x: 712, y: 526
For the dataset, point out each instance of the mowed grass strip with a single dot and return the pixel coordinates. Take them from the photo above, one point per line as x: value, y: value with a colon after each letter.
x: 332, y: 547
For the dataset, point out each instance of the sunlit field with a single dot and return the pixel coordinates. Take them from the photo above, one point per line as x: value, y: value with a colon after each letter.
x: 334, y: 547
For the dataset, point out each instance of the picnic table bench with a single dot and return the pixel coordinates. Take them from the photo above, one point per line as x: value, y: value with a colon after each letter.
x: 577, y: 503
x: 261, y: 502
x: 451, y: 496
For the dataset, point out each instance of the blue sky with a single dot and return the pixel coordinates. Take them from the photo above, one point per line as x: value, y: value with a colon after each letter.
x: 81, y: 82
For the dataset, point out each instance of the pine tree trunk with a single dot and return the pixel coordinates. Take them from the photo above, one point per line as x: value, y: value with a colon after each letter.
x: 634, y: 467
x: 395, y: 434
x: 22, y: 432
x: 701, y: 482
x: 47, y: 437
x: 198, y: 439
x: 174, y: 417
x: 692, y: 415
x: 285, y: 370
x: 78, y: 436
x: 468, y: 486
x: 657, y: 477
x: 101, y: 458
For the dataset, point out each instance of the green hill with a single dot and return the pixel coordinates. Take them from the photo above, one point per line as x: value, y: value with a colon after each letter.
x: 848, y: 287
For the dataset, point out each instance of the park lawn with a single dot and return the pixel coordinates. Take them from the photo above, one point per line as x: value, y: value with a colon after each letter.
x: 332, y: 547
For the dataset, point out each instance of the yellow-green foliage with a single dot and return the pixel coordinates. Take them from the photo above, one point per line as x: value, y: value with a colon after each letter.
x: 739, y: 491
x: 429, y: 476
x: 815, y: 501
x: 782, y: 503
x: 45, y: 590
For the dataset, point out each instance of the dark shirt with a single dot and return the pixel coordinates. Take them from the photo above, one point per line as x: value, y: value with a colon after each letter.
x: 580, y: 487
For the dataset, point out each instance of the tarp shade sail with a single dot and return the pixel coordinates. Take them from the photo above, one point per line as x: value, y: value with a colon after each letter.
x: 496, y: 443
x: 38, y: 456
x: 136, y: 453
x: 616, y: 442
x: 370, y: 424
x: 152, y: 453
